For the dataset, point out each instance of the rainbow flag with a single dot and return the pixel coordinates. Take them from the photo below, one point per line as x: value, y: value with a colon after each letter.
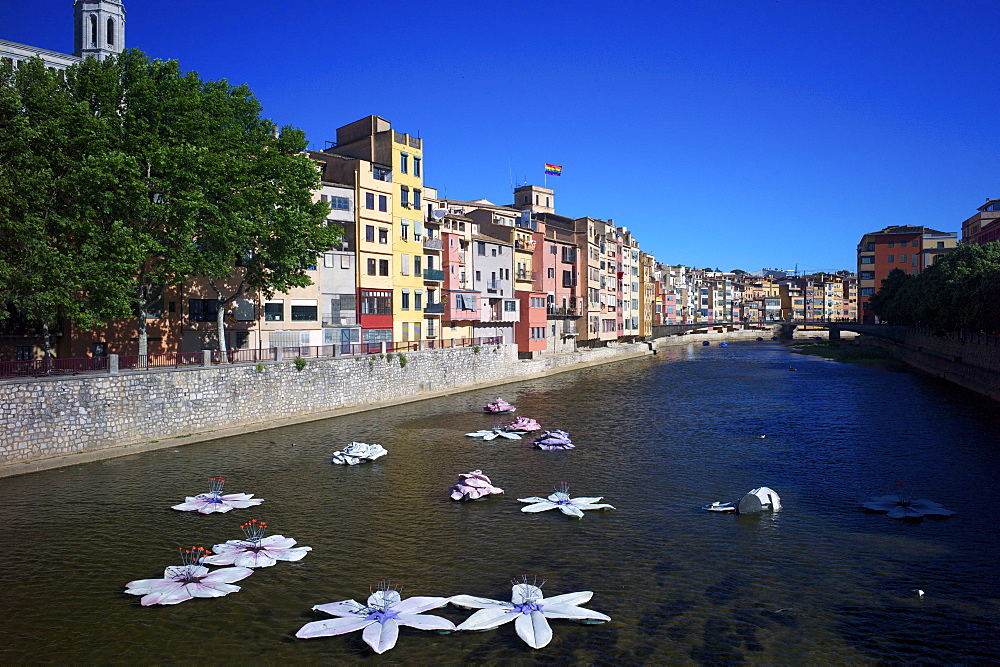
x: 553, y: 169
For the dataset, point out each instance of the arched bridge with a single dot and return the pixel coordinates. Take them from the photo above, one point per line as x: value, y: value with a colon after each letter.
x: 786, y: 328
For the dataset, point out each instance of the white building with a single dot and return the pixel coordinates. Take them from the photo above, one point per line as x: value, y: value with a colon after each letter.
x: 98, y: 32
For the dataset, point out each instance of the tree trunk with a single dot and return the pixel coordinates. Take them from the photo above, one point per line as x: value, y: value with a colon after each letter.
x: 220, y: 319
x: 47, y: 338
x: 143, y: 333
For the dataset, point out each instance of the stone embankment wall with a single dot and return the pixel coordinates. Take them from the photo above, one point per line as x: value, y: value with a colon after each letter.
x: 58, y: 421
x: 969, y: 360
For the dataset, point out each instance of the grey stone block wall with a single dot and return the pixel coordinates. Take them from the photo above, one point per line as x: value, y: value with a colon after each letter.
x: 57, y: 417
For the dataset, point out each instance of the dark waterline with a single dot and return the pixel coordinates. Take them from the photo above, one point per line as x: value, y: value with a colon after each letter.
x: 821, y: 581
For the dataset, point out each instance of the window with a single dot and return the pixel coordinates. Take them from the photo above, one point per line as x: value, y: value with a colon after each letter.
x: 418, y: 298
x: 98, y: 350
x: 93, y: 31
x: 940, y: 244
x: 382, y: 174
x: 892, y: 258
x: 404, y: 265
x: 867, y: 291
x: 304, y: 310
x: 914, y: 243
x: 405, y: 300
x: 870, y: 247
x: 481, y: 248
x: 404, y: 163
x: 552, y: 272
x: 404, y: 231
x: 867, y: 275
x: 371, y: 267
x: 568, y: 254
x: 404, y: 196
x: 914, y: 259
x: 537, y: 302
x: 553, y: 250
x: 203, y: 310
x: 370, y: 201
x: 383, y: 203
x: 538, y: 333
x: 892, y: 244
x: 370, y: 233
x: 328, y: 260
x: 416, y: 166
x: 494, y: 251
x: 902, y: 258
x: 406, y: 330
x: 510, y: 306
x: 111, y: 32
x: 383, y: 267
x: 568, y: 279
x: 867, y: 259
x: 376, y: 302
x: 340, y: 203
x: 383, y: 235
x: 274, y: 311
x: 416, y: 198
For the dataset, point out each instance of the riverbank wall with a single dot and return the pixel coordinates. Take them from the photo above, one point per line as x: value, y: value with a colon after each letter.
x: 51, y: 422
x: 968, y: 360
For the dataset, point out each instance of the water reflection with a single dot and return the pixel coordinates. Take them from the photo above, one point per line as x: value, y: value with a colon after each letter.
x: 819, y: 581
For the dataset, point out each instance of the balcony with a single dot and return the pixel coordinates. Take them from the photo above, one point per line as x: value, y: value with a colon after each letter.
x: 433, y: 244
x: 436, y: 275
x: 492, y: 285
x: 562, y: 311
x: 434, y: 309
x: 525, y: 274
x: 527, y: 246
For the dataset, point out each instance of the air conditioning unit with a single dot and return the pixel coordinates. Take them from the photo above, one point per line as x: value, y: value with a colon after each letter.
x: 345, y: 246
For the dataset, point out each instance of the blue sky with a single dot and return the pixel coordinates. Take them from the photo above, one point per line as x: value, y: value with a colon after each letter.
x: 723, y: 133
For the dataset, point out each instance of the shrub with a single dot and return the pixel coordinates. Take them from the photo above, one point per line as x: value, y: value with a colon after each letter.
x: 476, y: 349
x: 260, y: 368
x: 300, y: 363
x: 402, y: 360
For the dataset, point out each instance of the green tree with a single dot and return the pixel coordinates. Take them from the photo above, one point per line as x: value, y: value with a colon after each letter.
x: 962, y: 290
x: 154, y: 177
x: 892, y: 302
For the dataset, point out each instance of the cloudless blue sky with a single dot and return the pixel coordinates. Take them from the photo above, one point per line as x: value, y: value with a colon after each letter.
x: 723, y: 133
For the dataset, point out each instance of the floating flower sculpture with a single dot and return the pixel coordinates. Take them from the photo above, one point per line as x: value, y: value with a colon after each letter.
x: 899, y: 506
x: 560, y: 500
x: 473, y: 486
x: 358, y: 452
x: 523, y: 425
x: 493, y: 433
x: 498, y: 406
x: 554, y: 440
x: 529, y: 610
x: 380, y: 618
x: 187, y: 581
x: 256, y: 550
x: 214, y: 501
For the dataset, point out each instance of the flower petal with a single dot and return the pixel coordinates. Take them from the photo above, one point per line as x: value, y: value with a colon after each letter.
x: 573, y: 612
x: 207, y: 589
x: 381, y: 636
x: 570, y: 510
x: 144, y: 586
x: 586, y: 501
x: 541, y: 507
x: 343, y: 608
x: 532, y: 499
x: 254, y: 559
x: 279, y: 541
x: 471, y: 602
x: 292, y: 555
x: 521, y: 593
x: 173, y: 594
x: 331, y: 627
x: 224, y: 558
x: 598, y: 506
x: 533, y: 629
x: 487, y: 619
x: 384, y: 599
x: 425, y: 622
x: 579, y: 597
x: 418, y: 604
x: 226, y: 575
x: 904, y: 512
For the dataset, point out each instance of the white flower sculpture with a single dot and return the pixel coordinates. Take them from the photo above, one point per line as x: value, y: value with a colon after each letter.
x: 900, y: 507
x: 214, y: 501
x: 473, y: 486
x: 493, y: 433
x: 560, y: 500
x: 188, y: 581
x: 529, y: 610
x: 256, y: 550
x: 358, y: 452
x: 380, y: 618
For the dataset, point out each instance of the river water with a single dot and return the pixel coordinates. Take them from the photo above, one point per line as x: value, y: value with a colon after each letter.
x: 822, y: 581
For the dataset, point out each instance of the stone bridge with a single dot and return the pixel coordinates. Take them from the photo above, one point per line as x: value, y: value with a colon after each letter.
x: 786, y: 328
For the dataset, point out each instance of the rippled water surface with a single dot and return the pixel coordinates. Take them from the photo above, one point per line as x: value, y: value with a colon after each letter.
x: 821, y: 581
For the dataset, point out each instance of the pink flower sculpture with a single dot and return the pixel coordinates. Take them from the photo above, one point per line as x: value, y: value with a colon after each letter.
x: 256, y: 550
x: 188, y: 581
x: 554, y: 440
x: 214, y: 501
x: 473, y: 486
x: 523, y: 425
x: 498, y: 406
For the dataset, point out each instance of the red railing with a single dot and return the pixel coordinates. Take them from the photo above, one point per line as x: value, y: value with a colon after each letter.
x: 54, y: 366
x: 143, y: 362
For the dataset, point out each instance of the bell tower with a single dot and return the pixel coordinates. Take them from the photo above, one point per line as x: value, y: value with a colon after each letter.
x: 99, y: 28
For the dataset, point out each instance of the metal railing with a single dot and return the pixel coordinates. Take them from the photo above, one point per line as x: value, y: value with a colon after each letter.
x: 165, y: 361
x: 434, y: 274
x: 433, y: 244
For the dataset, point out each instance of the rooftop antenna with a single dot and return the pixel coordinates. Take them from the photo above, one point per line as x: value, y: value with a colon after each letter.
x: 510, y: 175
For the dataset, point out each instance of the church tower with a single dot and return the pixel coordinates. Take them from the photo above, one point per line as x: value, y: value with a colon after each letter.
x: 99, y: 28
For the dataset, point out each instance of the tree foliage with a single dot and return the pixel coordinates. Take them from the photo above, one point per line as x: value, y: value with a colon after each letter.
x: 122, y: 176
x: 960, y: 291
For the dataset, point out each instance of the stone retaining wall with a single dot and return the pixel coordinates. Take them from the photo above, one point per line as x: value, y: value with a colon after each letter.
x: 56, y: 420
